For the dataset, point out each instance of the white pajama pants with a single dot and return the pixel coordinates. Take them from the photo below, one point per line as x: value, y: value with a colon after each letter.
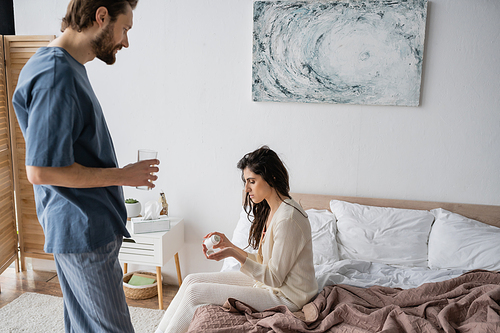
x: 215, y: 288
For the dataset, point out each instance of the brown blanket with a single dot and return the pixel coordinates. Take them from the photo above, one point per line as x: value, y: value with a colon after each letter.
x: 468, y: 303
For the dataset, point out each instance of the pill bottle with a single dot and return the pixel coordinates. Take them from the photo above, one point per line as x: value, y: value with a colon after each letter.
x: 210, y: 242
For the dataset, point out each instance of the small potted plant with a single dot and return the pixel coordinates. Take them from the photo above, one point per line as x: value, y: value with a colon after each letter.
x: 133, y: 207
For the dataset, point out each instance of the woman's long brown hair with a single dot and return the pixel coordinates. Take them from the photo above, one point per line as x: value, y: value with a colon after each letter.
x: 265, y: 163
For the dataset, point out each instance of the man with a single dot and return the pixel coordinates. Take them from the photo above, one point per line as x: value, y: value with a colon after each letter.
x: 71, y: 161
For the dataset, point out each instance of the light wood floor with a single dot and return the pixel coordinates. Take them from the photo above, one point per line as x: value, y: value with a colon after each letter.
x: 13, y: 284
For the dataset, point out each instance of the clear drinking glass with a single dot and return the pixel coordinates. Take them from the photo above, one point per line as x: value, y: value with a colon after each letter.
x: 146, y: 154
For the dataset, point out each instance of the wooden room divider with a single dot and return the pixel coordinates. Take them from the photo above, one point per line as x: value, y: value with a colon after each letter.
x: 21, y: 235
x: 8, y: 232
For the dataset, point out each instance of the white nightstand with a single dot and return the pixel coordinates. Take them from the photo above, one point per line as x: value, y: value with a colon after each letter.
x: 155, y: 249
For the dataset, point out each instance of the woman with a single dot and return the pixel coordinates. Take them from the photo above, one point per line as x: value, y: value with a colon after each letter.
x: 280, y: 273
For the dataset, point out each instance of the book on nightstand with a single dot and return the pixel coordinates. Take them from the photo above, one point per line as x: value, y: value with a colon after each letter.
x: 141, y: 280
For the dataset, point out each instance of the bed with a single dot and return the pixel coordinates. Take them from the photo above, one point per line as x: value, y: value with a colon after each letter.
x: 384, y: 265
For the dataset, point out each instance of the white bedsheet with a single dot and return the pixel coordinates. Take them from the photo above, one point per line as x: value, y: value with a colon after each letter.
x: 366, y: 274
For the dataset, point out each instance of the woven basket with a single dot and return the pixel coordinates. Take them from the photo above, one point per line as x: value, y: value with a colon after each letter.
x: 140, y: 292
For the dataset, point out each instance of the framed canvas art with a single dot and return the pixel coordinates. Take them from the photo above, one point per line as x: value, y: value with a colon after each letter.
x: 345, y: 51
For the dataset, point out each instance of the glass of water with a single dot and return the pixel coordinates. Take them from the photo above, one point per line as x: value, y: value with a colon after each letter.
x: 146, y: 154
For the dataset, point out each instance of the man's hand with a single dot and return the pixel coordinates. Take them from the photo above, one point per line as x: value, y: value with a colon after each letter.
x: 141, y: 173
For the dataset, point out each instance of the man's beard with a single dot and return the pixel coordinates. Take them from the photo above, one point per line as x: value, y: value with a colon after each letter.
x: 103, y: 46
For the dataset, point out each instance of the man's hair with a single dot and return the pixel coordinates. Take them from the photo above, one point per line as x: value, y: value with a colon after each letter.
x: 81, y: 13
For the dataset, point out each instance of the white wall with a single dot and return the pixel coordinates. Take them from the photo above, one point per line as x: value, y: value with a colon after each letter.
x: 184, y: 88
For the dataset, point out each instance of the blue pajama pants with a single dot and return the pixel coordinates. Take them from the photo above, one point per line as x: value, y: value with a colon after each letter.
x: 92, y: 288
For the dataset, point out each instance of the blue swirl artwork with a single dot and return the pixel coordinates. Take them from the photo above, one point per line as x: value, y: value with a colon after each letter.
x: 346, y: 51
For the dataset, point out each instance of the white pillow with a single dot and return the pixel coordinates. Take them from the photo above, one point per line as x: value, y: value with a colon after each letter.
x: 385, y: 235
x: 323, y: 232
x: 240, y: 239
x: 456, y: 241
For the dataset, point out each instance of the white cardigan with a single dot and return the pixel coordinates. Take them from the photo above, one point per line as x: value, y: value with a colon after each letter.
x: 284, y: 262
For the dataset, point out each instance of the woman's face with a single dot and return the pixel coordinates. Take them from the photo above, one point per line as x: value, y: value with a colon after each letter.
x: 256, y: 186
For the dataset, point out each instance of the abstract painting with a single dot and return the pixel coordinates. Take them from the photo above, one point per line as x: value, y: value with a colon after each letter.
x: 346, y: 51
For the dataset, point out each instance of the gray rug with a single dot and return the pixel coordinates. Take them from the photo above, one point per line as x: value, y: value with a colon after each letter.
x: 32, y: 312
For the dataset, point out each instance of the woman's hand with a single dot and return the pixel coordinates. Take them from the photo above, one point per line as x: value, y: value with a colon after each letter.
x: 227, y: 249
x: 224, y: 245
x: 219, y: 255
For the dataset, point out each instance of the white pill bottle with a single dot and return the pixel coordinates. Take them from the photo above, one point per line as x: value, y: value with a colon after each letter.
x: 210, y: 242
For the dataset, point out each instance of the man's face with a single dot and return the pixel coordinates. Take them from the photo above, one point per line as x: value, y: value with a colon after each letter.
x: 112, y: 38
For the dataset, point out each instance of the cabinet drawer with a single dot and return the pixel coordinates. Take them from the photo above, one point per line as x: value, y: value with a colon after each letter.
x: 141, y: 251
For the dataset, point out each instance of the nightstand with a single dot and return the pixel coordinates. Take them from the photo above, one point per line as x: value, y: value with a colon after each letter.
x: 155, y: 249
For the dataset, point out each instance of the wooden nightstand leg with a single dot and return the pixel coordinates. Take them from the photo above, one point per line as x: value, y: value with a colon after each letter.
x: 178, y: 266
x: 125, y: 268
x: 160, y: 287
